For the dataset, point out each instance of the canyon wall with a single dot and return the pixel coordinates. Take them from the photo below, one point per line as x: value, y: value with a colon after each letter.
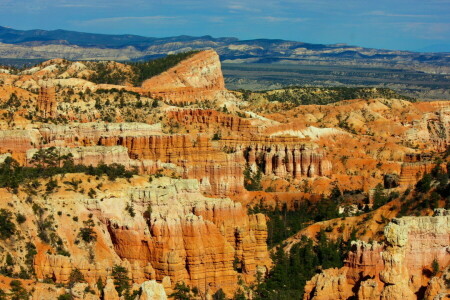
x: 282, y: 156
x: 220, y: 173
x: 174, y: 232
x: 399, y: 269
x: 209, y: 118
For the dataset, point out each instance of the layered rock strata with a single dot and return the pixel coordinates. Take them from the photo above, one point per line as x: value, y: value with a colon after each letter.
x: 175, y: 232
x: 400, y: 269
x: 282, y: 156
x: 197, y: 78
x: 411, y: 172
x: 46, y: 102
x: 89, y: 134
x: 208, y: 118
x: 220, y: 173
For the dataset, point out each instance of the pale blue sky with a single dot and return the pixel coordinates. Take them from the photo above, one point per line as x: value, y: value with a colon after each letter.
x: 391, y: 24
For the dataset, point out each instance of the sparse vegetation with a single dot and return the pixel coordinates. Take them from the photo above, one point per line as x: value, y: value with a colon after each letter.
x: 252, y: 180
x: 284, y: 222
x: 181, y: 291
x: 12, y: 174
x: 76, y: 276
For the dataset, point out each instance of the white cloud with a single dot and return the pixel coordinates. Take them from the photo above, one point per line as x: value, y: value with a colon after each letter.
x: 386, y: 14
x: 427, y: 31
x: 216, y: 19
x: 240, y: 7
x: 144, y: 19
x: 281, y: 19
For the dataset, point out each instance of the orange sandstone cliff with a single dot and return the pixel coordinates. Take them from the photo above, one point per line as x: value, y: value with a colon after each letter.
x: 399, y: 269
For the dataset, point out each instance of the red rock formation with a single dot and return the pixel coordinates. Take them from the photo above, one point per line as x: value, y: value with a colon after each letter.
x: 364, y: 260
x: 18, y: 142
x: 208, y: 118
x: 197, y: 78
x: 89, y: 134
x: 220, y: 173
x: 94, y: 155
x: 46, y: 102
x: 328, y: 285
x: 397, y: 270
x: 412, y: 172
x: 282, y: 156
x: 176, y: 233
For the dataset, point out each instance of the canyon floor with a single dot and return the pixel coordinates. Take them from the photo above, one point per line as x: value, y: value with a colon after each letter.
x: 152, y: 181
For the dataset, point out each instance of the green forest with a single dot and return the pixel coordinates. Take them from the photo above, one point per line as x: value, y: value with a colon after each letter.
x: 141, y: 71
x: 322, y: 95
x: 151, y: 68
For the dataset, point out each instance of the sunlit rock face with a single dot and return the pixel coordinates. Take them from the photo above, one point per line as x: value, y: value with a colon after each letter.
x: 399, y: 269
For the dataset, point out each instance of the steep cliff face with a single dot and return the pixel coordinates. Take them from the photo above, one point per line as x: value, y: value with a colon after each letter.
x: 93, y: 155
x: 204, y: 119
x: 364, y: 261
x: 197, y: 78
x: 282, y: 156
x: 89, y: 134
x: 201, y: 70
x: 411, y: 172
x: 431, y: 130
x: 400, y: 269
x: 46, y: 102
x: 220, y: 173
x: 173, y: 232
x: 18, y: 142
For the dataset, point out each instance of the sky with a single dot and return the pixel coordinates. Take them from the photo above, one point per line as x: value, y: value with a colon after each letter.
x: 388, y: 24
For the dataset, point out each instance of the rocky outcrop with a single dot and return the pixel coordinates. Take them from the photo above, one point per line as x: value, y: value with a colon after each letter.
x: 400, y: 269
x: 432, y: 129
x: 220, y: 173
x: 328, y: 285
x: 151, y: 290
x: 364, y: 260
x: 205, y: 236
x: 438, y: 288
x: 173, y: 233
x: 109, y: 292
x: 197, y: 78
x: 89, y: 134
x: 282, y: 156
x: 411, y: 172
x: 46, y: 102
x: 412, y: 245
x: 18, y: 142
x: 93, y: 155
x: 208, y: 118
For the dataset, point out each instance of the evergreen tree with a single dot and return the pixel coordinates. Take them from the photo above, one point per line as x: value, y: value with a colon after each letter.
x: 121, y: 280
x: 181, y: 291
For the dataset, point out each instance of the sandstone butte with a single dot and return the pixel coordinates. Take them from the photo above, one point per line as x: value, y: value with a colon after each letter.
x: 197, y: 78
x: 184, y: 123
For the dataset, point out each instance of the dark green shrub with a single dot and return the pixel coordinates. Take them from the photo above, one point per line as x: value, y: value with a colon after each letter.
x: 76, y: 276
x: 7, y: 227
x: 87, y: 232
x: 181, y: 292
x: 20, y: 218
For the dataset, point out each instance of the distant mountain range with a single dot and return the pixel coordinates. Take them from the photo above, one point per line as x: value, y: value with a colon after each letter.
x: 42, y: 44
